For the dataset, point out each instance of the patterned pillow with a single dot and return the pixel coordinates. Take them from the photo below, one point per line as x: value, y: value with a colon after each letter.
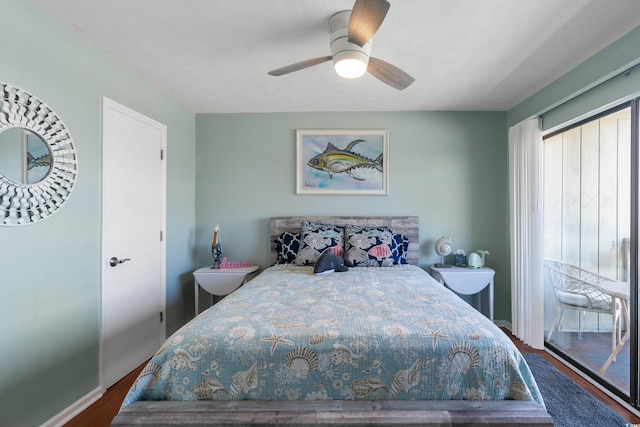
x: 317, y: 238
x: 287, y: 246
x: 399, y: 249
x: 369, y: 246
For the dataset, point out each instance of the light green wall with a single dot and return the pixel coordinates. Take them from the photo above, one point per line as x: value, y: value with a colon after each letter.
x: 50, y: 271
x: 614, y: 59
x: 448, y: 168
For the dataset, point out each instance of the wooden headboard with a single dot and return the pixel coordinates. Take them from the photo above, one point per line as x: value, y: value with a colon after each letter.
x: 407, y: 225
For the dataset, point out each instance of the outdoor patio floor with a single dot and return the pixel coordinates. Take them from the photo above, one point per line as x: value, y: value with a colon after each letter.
x: 592, y: 349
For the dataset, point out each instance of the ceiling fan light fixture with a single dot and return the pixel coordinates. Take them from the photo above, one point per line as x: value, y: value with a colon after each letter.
x: 350, y: 64
x: 349, y: 60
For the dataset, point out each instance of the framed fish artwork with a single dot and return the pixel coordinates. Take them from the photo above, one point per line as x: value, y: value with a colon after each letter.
x: 342, y: 162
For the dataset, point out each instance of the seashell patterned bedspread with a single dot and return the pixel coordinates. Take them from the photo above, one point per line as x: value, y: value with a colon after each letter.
x: 374, y: 333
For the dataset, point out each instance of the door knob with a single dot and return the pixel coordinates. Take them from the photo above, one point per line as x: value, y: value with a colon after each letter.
x: 115, y: 261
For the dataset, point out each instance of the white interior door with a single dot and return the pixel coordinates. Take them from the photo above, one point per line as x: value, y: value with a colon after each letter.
x: 133, y: 250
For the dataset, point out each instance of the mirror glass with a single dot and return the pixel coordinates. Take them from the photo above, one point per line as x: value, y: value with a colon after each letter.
x: 38, y: 161
x: 24, y: 156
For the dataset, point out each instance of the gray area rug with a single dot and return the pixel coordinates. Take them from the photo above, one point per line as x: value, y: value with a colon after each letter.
x: 569, y: 404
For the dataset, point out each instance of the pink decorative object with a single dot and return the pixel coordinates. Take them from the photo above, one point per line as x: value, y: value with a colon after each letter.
x: 337, y: 250
x: 234, y: 264
x: 380, y: 251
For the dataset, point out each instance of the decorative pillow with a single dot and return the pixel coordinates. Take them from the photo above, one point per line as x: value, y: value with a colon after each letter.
x: 287, y: 246
x: 369, y: 246
x: 399, y: 249
x: 317, y: 238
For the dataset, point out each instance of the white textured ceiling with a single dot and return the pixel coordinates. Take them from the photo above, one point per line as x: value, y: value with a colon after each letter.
x: 212, y: 56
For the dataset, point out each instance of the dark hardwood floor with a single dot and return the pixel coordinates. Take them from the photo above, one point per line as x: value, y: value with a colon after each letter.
x: 102, y: 412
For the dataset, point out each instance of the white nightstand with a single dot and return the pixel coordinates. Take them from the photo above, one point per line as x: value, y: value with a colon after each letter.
x: 467, y: 281
x: 220, y: 281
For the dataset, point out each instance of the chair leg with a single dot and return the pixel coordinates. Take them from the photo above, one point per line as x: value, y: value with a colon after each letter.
x: 581, y: 314
x: 556, y: 321
x: 620, y: 325
x: 616, y: 337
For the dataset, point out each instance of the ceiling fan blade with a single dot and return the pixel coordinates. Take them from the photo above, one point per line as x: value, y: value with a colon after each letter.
x: 366, y: 18
x: 389, y: 74
x: 299, y: 65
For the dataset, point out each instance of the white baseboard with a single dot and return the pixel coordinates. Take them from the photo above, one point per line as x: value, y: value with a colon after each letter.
x: 78, y: 406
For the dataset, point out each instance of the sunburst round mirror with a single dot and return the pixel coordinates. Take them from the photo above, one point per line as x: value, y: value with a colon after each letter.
x: 38, y: 161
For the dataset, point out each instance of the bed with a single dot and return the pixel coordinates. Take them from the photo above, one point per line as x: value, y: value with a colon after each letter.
x: 380, y: 344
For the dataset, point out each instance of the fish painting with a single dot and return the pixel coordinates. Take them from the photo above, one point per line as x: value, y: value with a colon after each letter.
x: 334, y: 160
x: 34, y: 162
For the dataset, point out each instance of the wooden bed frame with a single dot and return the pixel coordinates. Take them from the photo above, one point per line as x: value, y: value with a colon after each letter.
x: 337, y: 412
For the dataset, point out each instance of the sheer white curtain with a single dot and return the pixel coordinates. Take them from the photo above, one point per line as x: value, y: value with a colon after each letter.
x: 525, y: 202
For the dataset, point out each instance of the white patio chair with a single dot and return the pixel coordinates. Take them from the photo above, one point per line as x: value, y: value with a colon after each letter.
x: 582, y: 290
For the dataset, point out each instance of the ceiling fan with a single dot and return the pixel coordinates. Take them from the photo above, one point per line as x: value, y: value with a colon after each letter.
x: 350, y: 42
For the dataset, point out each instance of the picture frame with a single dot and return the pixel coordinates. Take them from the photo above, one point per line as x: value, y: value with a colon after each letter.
x: 332, y: 162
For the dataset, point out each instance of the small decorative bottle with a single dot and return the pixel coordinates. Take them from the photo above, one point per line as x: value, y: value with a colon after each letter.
x: 216, y: 249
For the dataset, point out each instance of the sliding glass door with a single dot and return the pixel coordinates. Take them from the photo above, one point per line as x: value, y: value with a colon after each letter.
x: 589, y: 215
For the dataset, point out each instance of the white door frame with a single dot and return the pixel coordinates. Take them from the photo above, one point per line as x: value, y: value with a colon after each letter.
x: 110, y: 104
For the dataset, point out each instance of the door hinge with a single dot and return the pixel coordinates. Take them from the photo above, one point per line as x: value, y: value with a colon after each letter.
x: 160, y: 317
x: 161, y: 235
x: 161, y: 154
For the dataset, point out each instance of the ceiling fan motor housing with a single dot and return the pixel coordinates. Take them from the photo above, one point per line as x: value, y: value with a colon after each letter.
x: 341, y: 48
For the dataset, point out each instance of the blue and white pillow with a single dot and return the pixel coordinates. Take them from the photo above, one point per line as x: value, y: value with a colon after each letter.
x: 400, y: 249
x: 287, y: 247
x: 317, y: 238
x: 369, y: 246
